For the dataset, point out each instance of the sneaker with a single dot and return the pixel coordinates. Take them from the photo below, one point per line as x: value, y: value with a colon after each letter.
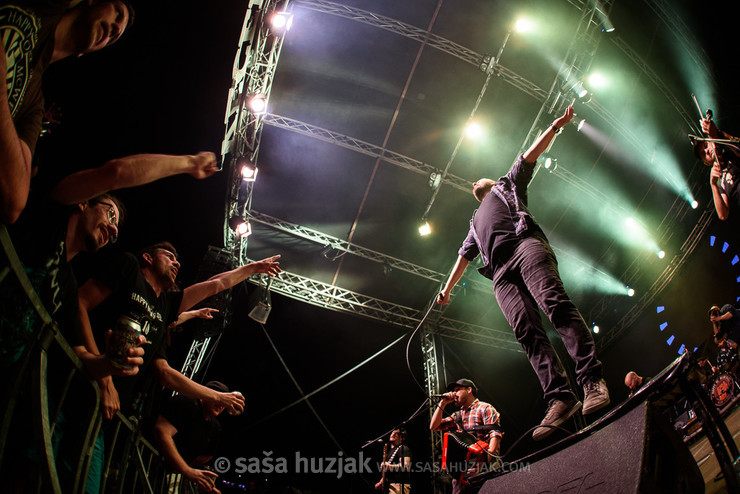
x: 558, y: 412
x: 596, y: 396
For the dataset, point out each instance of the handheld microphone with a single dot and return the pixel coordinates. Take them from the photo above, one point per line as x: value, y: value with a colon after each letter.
x: 440, y: 396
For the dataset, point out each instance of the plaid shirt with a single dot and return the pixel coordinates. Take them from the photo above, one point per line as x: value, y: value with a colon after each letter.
x: 478, y: 413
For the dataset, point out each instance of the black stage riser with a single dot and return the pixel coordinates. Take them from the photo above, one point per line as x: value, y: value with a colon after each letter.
x: 639, y: 452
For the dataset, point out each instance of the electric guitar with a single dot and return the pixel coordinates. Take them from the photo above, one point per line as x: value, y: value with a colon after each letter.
x: 383, y: 480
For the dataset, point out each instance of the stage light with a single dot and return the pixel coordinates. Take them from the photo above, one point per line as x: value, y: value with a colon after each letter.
x: 596, y: 329
x: 597, y: 80
x: 630, y: 292
x: 259, y: 302
x: 240, y: 226
x: 280, y: 22
x: 473, y: 130
x: 581, y: 124
x: 550, y: 164
x: 257, y: 104
x: 249, y: 172
x: 523, y: 25
x: 661, y: 254
x: 434, y: 180
x: 694, y: 204
x: 425, y: 229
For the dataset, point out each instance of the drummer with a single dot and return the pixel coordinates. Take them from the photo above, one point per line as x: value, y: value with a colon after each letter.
x: 726, y: 326
x: 727, y: 358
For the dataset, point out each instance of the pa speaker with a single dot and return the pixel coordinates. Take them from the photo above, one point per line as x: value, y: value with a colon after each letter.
x: 638, y: 452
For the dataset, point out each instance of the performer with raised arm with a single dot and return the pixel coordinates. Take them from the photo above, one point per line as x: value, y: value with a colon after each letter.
x: 518, y: 258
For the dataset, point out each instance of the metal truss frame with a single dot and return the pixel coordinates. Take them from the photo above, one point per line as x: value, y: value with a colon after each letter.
x: 339, y: 299
x: 364, y: 147
x: 354, y: 249
x: 252, y: 73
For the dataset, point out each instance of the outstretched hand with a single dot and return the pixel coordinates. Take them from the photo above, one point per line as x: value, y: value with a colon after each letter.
x: 565, y: 119
x: 204, y: 313
x: 270, y: 266
x: 233, y: 401
x: 204, y: 165
x: 205, y: 479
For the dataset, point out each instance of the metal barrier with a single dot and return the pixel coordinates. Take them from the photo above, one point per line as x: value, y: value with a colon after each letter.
x: 29, y: 401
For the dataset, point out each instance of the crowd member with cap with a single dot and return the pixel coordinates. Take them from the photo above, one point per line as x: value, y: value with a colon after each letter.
x: 139, y: 288
x: 472, y: 414
x: 187, y: 432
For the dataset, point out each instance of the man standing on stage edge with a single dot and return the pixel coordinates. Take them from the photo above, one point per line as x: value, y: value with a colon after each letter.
x: 518, y: 258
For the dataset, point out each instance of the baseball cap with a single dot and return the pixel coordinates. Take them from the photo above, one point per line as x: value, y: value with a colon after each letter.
x: 466, y: 383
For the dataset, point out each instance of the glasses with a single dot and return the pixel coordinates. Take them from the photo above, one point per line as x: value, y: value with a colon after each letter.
x: 110, y: 214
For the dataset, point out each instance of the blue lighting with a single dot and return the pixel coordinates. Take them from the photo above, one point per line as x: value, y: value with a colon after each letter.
x: 670, y: 340
x: 682, y: 349
x: 661, y: 308
x: 738, y: 279
x: 712, y: 239
x: 725, y: 246
x: 696, y: 348
x: 735, y: 260
x: 663, y: 326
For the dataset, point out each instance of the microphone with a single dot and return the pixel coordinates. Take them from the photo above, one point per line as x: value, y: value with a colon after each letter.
x: 440, y: 396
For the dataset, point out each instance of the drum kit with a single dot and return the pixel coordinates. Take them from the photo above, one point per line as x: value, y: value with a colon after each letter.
x: 722, y: 384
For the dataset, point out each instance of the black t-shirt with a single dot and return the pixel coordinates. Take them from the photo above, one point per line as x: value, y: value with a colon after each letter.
x: 196, y: 436
x: 39, y: 238
x: 27, y: 29
x: 395, y: 457
x: 133, y: 296
x: 494, y: 224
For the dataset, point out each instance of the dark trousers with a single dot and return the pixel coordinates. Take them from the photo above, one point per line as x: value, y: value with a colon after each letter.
x: 526, y: 279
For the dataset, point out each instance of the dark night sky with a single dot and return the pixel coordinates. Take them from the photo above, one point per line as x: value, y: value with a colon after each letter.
x: 163, y: 89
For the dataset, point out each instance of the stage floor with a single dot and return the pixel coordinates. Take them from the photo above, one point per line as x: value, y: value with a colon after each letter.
x: 702, y: 452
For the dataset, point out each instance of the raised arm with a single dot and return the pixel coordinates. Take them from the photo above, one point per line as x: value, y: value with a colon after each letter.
x: 174, y: 380
x: 131, y: 171
x: 222, y: 281
x: 438, y: 415
x: 543, y: 141
x: 15, y: 158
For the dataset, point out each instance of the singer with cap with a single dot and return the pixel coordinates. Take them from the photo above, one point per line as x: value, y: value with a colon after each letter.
x: 522, y: 267
x: 187, y: 432
x: 472, y: 415
x: 725, y: 163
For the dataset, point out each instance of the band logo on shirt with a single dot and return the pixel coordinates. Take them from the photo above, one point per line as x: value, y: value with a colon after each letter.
x: 19, y: 32
x: 150, y: 314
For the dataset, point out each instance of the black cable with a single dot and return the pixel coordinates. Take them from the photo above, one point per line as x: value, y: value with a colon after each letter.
x: 408, y: 344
